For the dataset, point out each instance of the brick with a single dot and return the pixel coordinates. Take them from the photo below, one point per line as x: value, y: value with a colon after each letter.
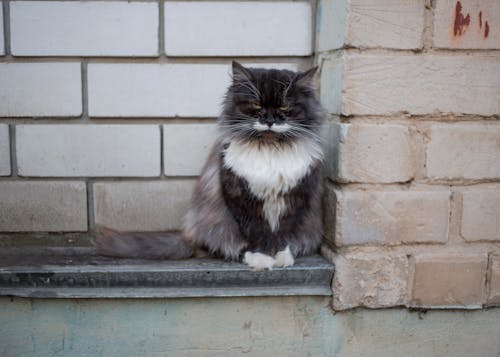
x: 374, y: 23
x: 43, y: 206
x: 476, y: 34
x: 186, y: 147
x: 449, y: 280
x: 249, y: 28
x: 380, y: 84
x: 464, y: 151
x: 88, y: 150
x: 159, y: 90
x: 4, y: 150
x: 494, y: 284
x: 95, y: 28
x: 481, y: 214
x: 40, y: 89
x: 372, y: 280
x: 390, y: 217
x: 142, y: 206
x: 2, y: 46
x: 373, y: 153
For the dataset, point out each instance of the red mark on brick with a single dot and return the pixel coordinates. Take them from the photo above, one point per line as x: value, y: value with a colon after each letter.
x: 480, y: 19
x: 486, y: 29
x: 460, y: 21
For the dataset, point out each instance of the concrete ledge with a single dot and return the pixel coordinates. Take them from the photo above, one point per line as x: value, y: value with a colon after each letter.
x: 77, y: 273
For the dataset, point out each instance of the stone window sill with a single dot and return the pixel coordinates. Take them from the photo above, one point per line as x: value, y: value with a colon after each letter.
x: 77, y: 273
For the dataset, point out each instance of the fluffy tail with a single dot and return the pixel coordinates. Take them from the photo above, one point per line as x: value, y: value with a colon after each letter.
x: 144, y: 245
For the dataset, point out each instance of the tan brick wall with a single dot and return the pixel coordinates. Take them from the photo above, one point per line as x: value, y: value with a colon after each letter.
x: 412, y: 205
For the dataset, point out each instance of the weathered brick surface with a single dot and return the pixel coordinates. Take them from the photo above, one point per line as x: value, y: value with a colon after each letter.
x: 142, y: 205
x: 374, y: 23
x: 481, y: 213
x: 373, y: 153
x: 494, y: 284
x: 43, y: 206
x: 4, y: 150
x: 449, y: 280
x: 186, y: 147
x: 467, y: 24
x: 159, y: 90
x: 371, y: 280
x: 2, y: 45
x: 194, y: 28
x: 464, y: 151
x: 389, y: 217
x: 88, y: 150
x: 386, y: 84
x: 98, y: 28
x: 40, y: 89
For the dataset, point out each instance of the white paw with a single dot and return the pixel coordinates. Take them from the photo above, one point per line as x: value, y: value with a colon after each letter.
x: 258, y: 261
x: 284, y: 258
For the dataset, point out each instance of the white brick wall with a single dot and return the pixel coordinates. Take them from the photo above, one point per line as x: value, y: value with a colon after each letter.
x: 482, y: 32
x: 481, y: 213
x: 374, y: 23
x: 390, y: 217
x: 93, y: 115
x: 364, y: 84
x: 464, y: 151
x: 43, y: 206
x: 88, y: 150
x: 373, y: 153
x: 95, y: 28
x: 4, y: 150
x: 142, y: 206
x: 196, y: 28
x: 40, y: 89
x: 186, y: 147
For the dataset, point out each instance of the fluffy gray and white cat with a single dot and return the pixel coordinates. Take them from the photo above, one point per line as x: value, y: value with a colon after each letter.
x: 258, y: 198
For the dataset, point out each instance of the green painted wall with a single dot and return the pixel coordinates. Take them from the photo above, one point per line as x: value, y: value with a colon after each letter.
x: 278, y: 326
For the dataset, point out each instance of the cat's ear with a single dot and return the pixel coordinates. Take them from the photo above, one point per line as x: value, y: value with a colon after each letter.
x: 240, y: 73
x: 308, y: 78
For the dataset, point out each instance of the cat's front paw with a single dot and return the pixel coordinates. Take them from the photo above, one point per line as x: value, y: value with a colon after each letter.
x: 284, y: 258
x: 258, y: 261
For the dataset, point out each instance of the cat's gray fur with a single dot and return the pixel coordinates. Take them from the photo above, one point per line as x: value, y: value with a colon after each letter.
x: 271, y: 116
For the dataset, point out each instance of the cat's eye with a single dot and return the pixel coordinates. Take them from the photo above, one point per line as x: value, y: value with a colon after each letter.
x: 284, y: 107
x: 256, y: 105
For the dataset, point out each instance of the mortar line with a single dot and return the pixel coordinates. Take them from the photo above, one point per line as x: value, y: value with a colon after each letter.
x: 90, y: 205
x: 161, y: 28
x: 162, y: 161
x: 428, y: 26
x: 13, y: 152
x: 314, y: 24
x: 6, y: 27
x: 85, y: 92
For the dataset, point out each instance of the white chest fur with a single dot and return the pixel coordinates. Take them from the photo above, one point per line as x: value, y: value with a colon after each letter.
x: 272, y: 171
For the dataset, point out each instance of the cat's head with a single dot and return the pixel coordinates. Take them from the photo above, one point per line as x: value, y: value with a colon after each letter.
x: 270, y: 105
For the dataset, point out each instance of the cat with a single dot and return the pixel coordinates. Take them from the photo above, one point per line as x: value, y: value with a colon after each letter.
x: 258, y: 198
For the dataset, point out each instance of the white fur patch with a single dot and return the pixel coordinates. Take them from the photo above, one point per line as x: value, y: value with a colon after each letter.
x: 277, y: 128
x: 258, y: 261
x: 272, y: 171
x: 284, y: 258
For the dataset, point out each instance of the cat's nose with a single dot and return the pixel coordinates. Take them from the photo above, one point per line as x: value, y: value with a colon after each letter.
x: 268, y: 120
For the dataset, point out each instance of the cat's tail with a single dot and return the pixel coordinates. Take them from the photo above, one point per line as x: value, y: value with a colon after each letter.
x: 142, y: 245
